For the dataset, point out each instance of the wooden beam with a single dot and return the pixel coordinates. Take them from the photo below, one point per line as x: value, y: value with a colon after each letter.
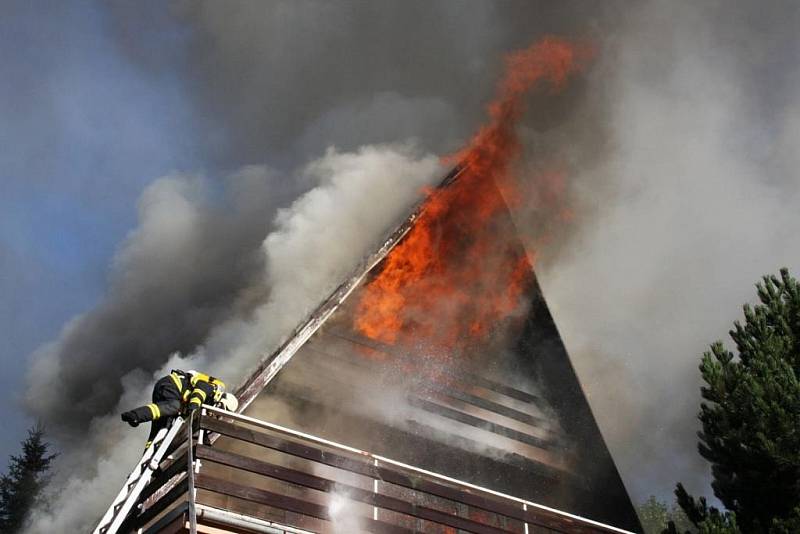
x: 178, y: 465
x: 134, y: 522
x: 171, y: 522
x: 535, y: 516
x: 291, y: 504
x: 270, y: 364
x: 354, y: 493
x: 477, y: 422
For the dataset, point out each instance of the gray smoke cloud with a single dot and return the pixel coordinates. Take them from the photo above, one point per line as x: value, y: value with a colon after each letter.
x: 680, y: 152
x: 289, y: 78
x: 192, y: 262
x: 316, y: 241
x: 284, y: 80
x: 694, y: 203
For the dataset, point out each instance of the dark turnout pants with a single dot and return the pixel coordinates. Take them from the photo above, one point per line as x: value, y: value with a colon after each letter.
x: 167, y: 400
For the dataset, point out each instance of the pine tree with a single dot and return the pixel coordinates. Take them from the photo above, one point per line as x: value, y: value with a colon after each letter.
x: 655, y: 516
x: 21, y: 486
x: 751, y: 420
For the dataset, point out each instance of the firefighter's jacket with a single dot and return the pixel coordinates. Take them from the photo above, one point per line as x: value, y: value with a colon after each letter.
x: 179, y: 392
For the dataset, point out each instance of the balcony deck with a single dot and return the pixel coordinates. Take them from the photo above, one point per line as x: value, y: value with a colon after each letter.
x: 261, y: 477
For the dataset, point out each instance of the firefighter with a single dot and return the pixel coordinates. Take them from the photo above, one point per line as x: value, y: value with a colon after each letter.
x: 178, y: 393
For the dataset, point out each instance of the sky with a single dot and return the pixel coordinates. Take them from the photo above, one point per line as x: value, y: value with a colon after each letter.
x: 172, y: 175
x: 83, y: 132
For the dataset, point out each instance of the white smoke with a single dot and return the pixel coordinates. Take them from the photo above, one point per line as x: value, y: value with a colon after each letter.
x: 343, y: 513
x: 193, y: 261
x: 692, y: 116
x: 697, y: 201
x: 317, y: 241
x: 320, y: 238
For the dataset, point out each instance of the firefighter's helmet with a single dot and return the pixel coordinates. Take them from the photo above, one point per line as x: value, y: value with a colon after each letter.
x: 229, y: 402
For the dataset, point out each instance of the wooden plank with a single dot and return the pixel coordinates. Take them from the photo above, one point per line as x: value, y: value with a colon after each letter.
x: 176, y: 526
x: 427, y: 388
x: 270, y: 364
x: 171, y: 522
x: 477, y: 422
x: 291, y: 504
x: 354, y: 493
x: 508, y: 391
x: 178, y: 442
x: 475, y: 379
x: 546, y: 475
x: 535, y: 516
x: 178, y: 465
x: 134, y: 522
x: 488, y: 405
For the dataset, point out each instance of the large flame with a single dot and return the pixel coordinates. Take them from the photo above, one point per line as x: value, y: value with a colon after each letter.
x: 458, y: 273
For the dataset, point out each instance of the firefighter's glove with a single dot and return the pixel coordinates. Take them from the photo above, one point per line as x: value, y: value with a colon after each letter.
x: 192, y: 407
x: 131, y: 418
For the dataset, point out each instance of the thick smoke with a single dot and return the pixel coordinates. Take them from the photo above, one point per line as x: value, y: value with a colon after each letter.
x: 287, y: 78
x: 696, y: 201
x: 193, y: 261
x: 316, y: 242
x: 320, y: 238
x: 679, y: 151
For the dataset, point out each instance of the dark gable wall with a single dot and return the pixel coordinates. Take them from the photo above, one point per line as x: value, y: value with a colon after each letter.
x: 454, y: 417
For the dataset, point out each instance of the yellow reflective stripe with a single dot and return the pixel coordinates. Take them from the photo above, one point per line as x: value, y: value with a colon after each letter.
x: 186, y: 394
x: 155, y: 411
x: 200, y: 393
x: 200, y: 377
x: 195, y: 400
x: 177, y: 380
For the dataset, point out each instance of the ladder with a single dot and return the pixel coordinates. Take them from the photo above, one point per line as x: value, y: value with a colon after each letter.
x: 138, y: 479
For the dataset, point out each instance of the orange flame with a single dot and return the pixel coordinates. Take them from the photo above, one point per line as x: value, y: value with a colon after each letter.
x: 459, y: 272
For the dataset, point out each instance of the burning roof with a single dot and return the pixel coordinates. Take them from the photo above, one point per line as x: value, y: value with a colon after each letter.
x: 440, y: 349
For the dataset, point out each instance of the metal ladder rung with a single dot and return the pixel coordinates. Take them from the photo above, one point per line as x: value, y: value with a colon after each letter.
x: 138, y: 479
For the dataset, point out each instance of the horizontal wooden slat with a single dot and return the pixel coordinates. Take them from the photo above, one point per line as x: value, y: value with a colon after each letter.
x: 535, y: 516
x: 540, y: 471
x: 171, y: 522
x: 337, y: 373
x: 354, y: 493
x: 178, y: 465
x: 159, y: 506
x: 284, y: 502
x: 477, y: 422
x: 508, y: 391
x: 490, y: 405
x: 478, y: 380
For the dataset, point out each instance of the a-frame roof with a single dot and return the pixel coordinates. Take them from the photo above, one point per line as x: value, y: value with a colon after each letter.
x: 505, y: 410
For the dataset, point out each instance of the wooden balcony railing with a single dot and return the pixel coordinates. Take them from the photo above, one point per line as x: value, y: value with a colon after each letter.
x: 261, y: 477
